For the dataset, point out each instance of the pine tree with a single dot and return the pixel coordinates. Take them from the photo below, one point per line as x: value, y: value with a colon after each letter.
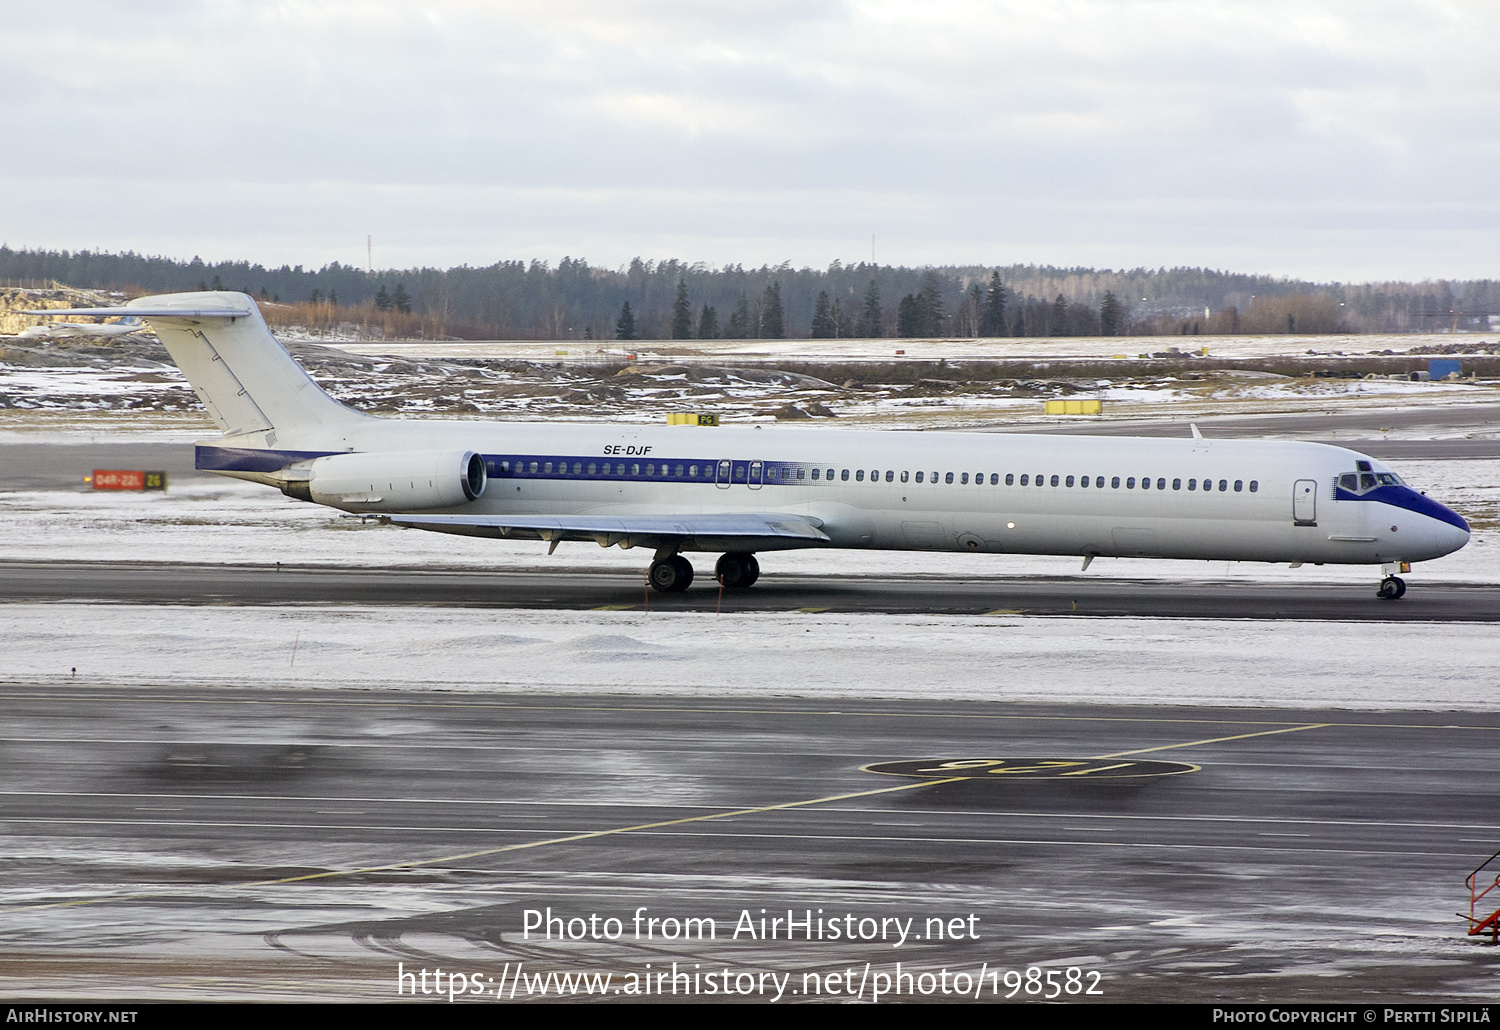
x: 1109, y: 314
x: 682, y: 314
x: 708, y: 324
x: 822, y: 324
x: 930, y: 313
x: 992, y: 319
x: 772, y: 317
x: 738, y: 327
x: 909, y: 317
x: 400, y: 301
x: 870, y: 319
x: 1058, y: 324
x: 625, y: 325
x: 383, y: 299
x: 842, y: 321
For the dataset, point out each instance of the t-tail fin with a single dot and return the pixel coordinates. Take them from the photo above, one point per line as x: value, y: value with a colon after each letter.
x: 245, y: 378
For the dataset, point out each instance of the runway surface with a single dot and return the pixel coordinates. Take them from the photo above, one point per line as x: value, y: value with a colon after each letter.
x: 263, y: 843
x: 166, y: 583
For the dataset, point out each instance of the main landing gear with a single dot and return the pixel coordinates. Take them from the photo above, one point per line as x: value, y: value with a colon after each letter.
x: 1391, y: 588
x: 737, y: 570
x: 671, y: 574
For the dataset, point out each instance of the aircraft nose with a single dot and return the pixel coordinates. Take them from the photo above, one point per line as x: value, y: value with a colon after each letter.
x: 1451, y: 537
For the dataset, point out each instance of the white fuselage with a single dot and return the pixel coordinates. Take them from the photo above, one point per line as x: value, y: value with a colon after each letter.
x: 1006, y: 493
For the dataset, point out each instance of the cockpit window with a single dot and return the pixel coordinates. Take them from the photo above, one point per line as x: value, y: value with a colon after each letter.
x: 1389, y: 479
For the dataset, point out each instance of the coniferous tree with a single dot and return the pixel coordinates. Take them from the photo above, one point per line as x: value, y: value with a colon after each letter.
x: 909, y: 317
x: 842, y: 321
x: 383, y: 299
x: 708, y: 324
x: 625, y: 324
x: 400, y: 301
x: 930, y: 313
x: 992, y: 319
x: 1110, y: 314
x: 772, y: 317
x: 869, y: 320
x: 738, y: 327
x: 1058, y: 324
x: 822, y: 323
x: 682, y: 314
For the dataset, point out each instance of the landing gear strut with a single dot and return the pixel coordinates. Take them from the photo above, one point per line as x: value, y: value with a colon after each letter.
x: 737, y: 570
x: 1391, y: 588
x: 670, y: 575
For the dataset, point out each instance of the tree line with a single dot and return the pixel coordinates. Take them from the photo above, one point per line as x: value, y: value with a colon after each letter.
x: 673, y: 299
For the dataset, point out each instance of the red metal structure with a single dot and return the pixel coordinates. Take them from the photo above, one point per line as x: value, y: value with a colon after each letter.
x: 1480, y: 924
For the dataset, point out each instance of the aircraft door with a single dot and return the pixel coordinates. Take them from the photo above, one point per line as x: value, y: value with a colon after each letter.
x: 757, y: 474
x: 724, y: 474
x: 1305, y: 502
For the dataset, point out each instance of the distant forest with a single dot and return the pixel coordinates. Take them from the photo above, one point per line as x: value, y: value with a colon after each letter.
x: 670, y: 299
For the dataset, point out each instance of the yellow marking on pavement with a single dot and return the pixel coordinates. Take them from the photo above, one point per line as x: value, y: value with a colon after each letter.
x: 1216, y: 740
x: 613, y: 608
x: 1102, y: 768
x: 1007, y: 611
x: 468, y: 855
x: 812, y: 611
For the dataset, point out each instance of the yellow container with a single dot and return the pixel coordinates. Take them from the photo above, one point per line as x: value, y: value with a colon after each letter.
x: 692, y: 418
x: 1086, y: 407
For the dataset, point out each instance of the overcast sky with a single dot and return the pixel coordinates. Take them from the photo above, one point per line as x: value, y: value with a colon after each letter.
x: 1335, y: 140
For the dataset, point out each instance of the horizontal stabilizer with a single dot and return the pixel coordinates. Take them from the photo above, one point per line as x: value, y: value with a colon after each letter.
x: 615, y: 528
x: 142, y: 312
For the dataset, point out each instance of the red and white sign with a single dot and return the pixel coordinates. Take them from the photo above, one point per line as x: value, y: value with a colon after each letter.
x: 128, y: 479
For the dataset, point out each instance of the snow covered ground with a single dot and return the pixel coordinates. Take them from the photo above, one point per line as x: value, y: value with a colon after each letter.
x: 1008, y: 658
x: 983, y: 658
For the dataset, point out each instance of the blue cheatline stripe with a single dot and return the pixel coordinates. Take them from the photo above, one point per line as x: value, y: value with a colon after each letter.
x: 644, y: 469
x: 249, y: 459
x: 1406, y: 497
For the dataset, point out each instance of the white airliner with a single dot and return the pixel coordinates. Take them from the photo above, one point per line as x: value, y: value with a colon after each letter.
x: 67, y: 330
x: 740, y: 490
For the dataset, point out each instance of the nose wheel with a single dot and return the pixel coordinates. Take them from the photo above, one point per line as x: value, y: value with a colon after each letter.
x: 1391, y: 588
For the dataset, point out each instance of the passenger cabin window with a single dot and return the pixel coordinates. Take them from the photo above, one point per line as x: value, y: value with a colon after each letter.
x: 1054, y: 480
x: 1176, y: 484
x: 1010, y: 480
x: 948, y: 478
x: 1115, y: 483
x: 844, y: 475
x: 859, y: 475
x: 1254, y: 485
x: 889, y: 475
x: 903, y: 476
x: 963, y: 478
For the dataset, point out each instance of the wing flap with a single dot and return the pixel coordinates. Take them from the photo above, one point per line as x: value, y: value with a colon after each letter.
x: 620, y: 528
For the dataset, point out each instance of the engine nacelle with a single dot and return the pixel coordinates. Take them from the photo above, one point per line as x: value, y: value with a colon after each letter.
x: 392, y: 480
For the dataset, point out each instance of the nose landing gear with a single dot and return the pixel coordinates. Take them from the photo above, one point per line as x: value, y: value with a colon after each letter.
x: 1391, y: 588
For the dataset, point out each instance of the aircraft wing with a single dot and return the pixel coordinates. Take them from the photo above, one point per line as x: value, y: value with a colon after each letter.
x: 712, y: 531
